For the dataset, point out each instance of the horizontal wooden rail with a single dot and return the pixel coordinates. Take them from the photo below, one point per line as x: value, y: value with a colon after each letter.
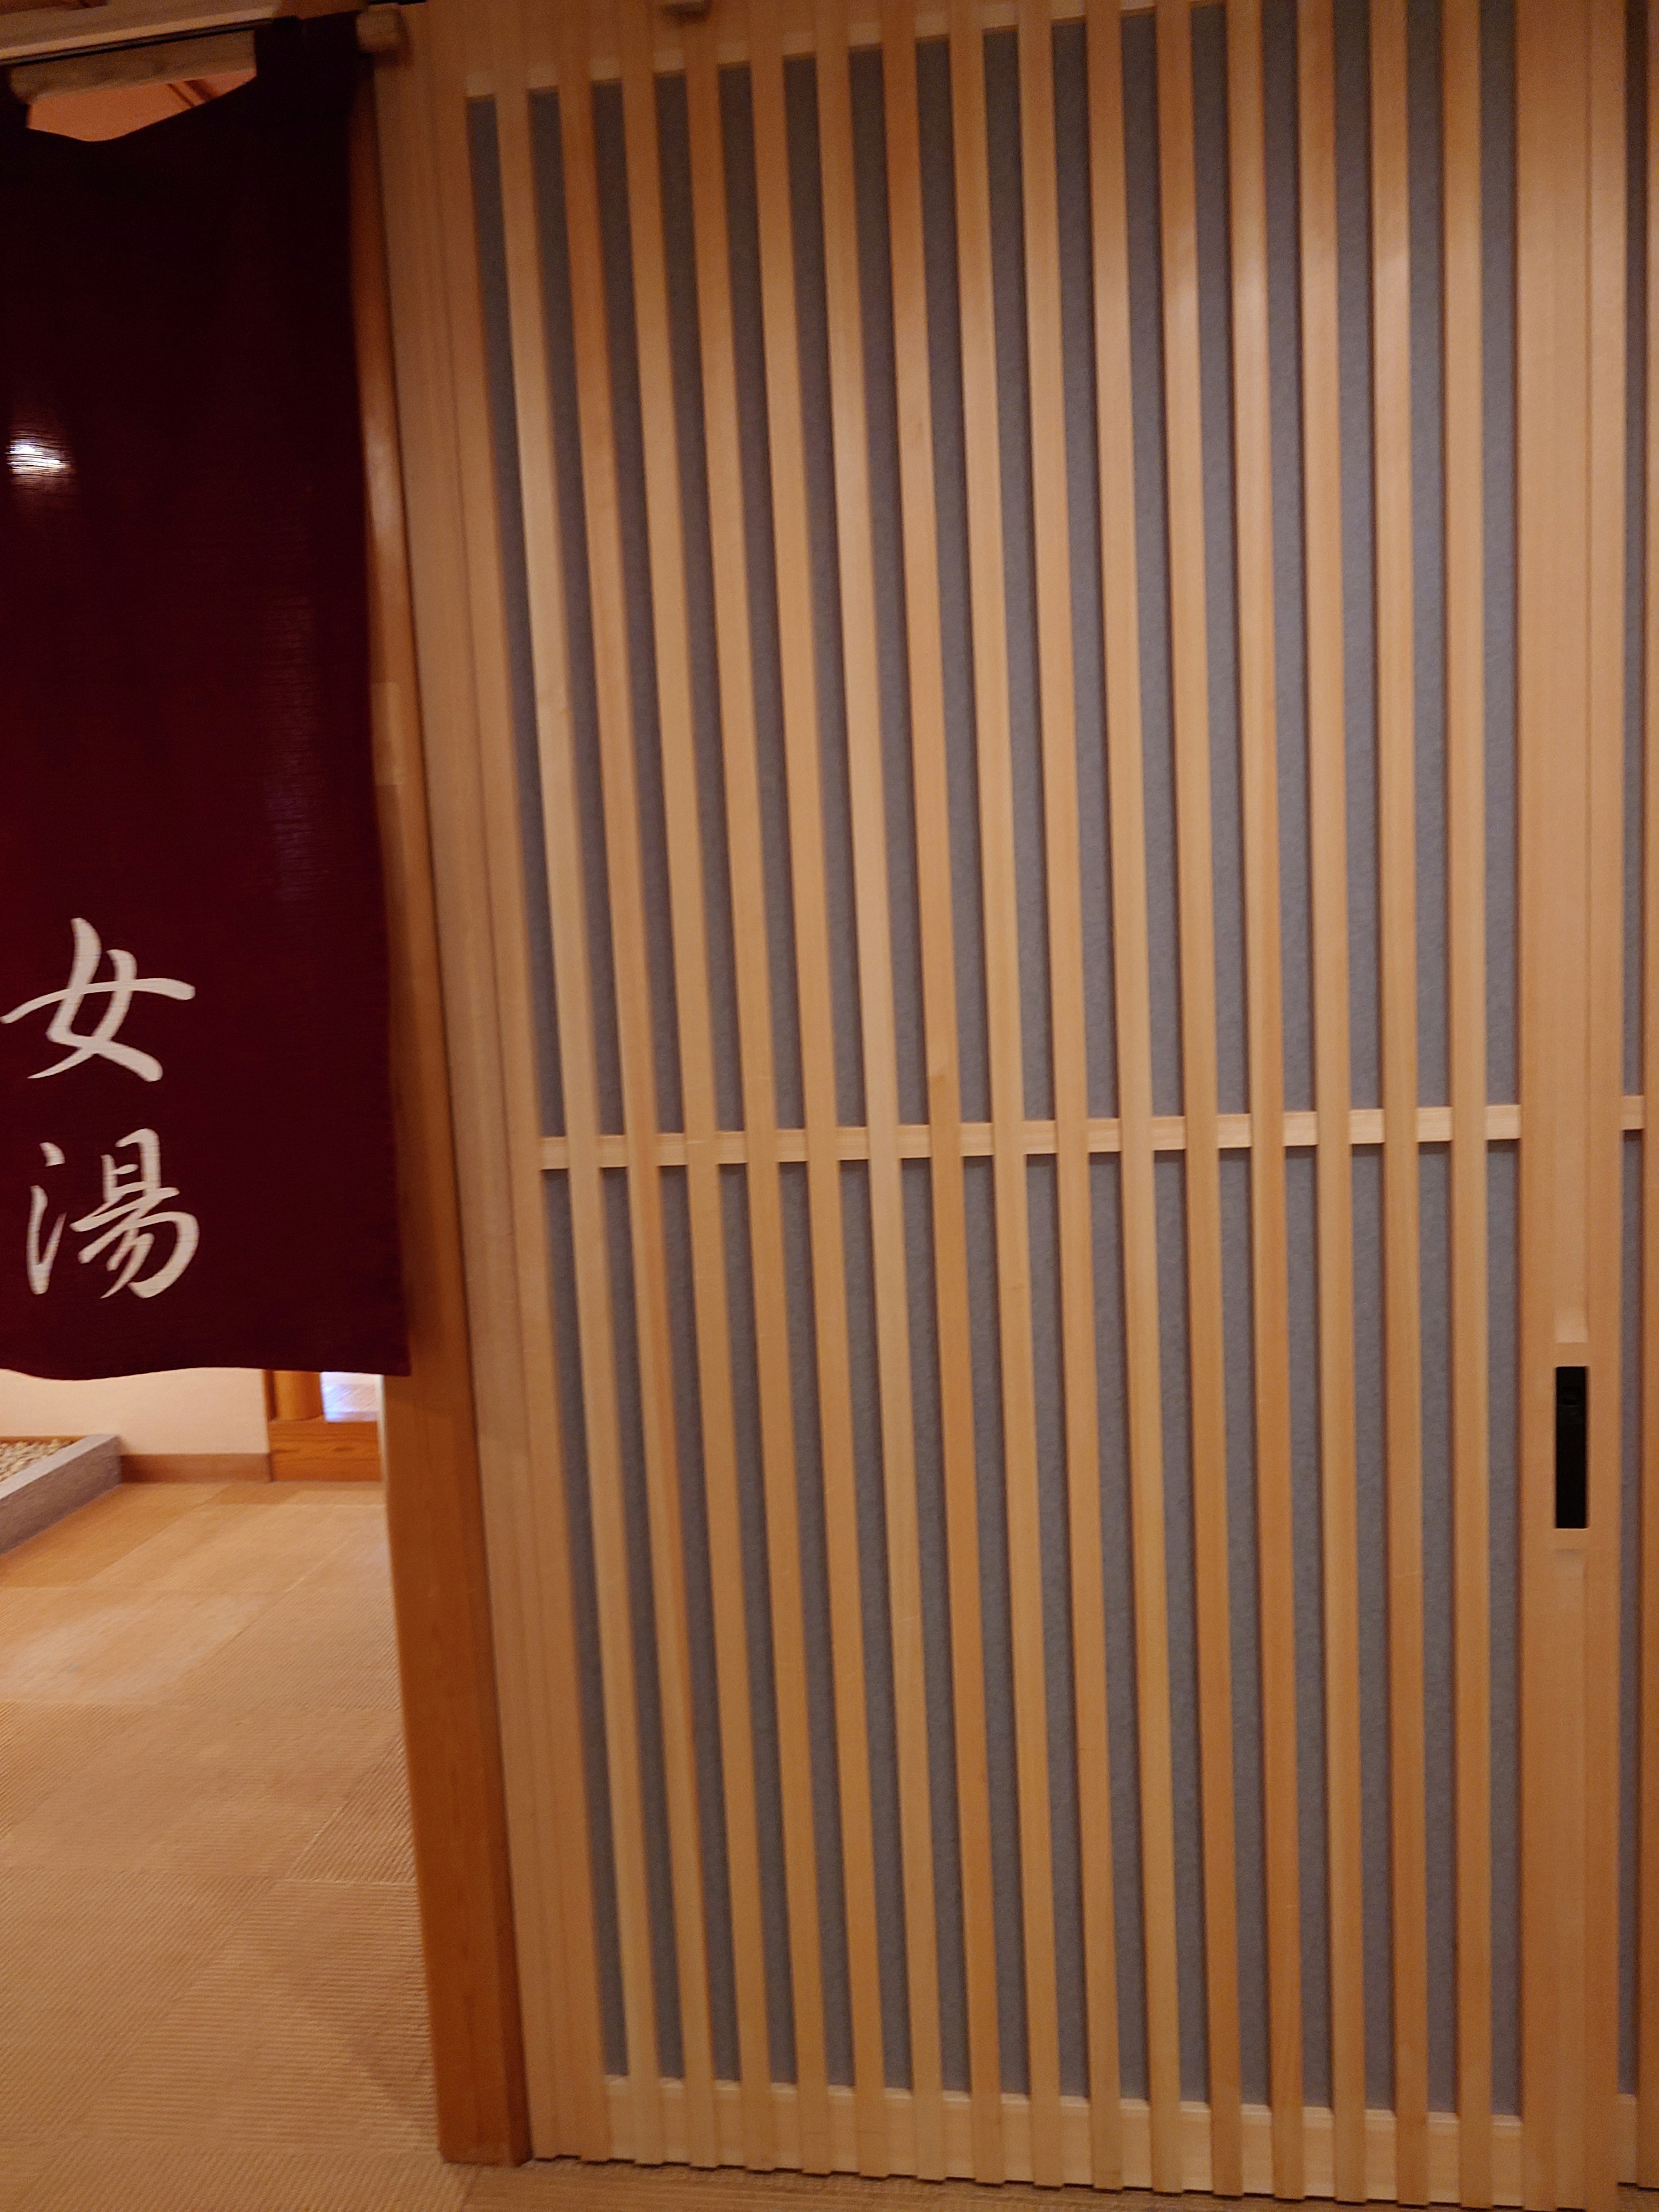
x: 1434, y: 1126
x: 1444, y: 2134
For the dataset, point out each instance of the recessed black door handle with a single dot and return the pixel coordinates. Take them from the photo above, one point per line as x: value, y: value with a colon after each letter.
x: 1572, y: 1448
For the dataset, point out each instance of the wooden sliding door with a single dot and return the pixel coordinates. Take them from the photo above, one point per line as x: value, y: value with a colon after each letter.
x: 1031, y: 626
x: 1572, y: 445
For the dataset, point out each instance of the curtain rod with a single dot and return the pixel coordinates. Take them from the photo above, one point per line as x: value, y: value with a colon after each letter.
x: 40, y: 35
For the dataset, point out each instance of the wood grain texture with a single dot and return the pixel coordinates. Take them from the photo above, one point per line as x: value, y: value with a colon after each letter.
x: 994, y: 741
x: 1298, y: 1131
x: 1057, y: 697
x: 482, y: 2015
x: 1397, y: 879
x: 802, y: 751
x: 1597, y: 2179
x: 1647, y: 2007
x: 1569, y: 341
x: 1104, y: 2138
x: 195, y: 1467
x: 1328, y: 868
x: 615, y: 674
x: 861, y: 649
x: 572, y: 977
x: 925, y: 662
x: 1188, y: 620
x: 325, y: 1451
x: 1269, y: 1256
x: 1466, y: 848
x: 683, y: 828
x: 1126, y: 777
x: 750, y: 931
x: 295, y: 1397
x: 1552, y: 471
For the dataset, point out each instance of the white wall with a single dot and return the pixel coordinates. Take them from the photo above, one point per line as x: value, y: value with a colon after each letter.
x: 194, y: 1409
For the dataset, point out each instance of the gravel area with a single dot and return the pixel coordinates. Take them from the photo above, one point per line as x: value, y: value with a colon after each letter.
x: 18, y: 1452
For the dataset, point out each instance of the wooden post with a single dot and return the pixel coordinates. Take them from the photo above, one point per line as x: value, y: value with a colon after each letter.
x: 1570, y: 421
x: 433, y: 1505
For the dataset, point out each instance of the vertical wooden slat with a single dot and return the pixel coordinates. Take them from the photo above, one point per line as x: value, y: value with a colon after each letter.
x: 1058, y: 698
x: 1608, y: 183
x: 1466, y: 876
x: 1552, y: 103
x: 614, y: 687
x: 995, y: 737
x: 1269, y: 1257
x: 807, y: 835
x: 486, y: 2011
x: 1570, y: 439
x: 1647, y: 2052
x: 1132, y: 978
x: 569, y: 930
x: 685, y: 891
x: 746, y: 862
x: 927, y: 738
x: 1327, y: 836
x: 881, y: 1101
x: 1391, y: 326
x: 1189, y: 596
x: 482, y: 908
x: 1571, y: 308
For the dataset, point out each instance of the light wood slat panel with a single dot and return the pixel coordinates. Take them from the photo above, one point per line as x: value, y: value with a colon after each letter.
x: 1466, y: 870
x: 1391, y: 329
x: 572, y: 974
x: 1126, y: 775
x: 1057, y: 703
x: 926, y: 658
x: 797, y: 34
x: 681, y: 809
x: 1504, y: 2130
x: 1551, y: 389
x: 1598, y: 2181
x: 582, y: 2115
x: 510, y: 2069
x: 1189, y: 596
x: 613, y: 676
x: 875, y: 969
x: 1552, y: 468
x: 994, y: 751
x: 1327, y: 838
x: 1647, y: 2015
x: 1298, y: 1132
x: 806, y: 831
x: 745, y: 844
x: 1269, y: 1256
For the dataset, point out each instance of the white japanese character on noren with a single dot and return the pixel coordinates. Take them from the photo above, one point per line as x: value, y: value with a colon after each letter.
x: 39, y: 1262
x: 134, y: 1208
x: 122, y: 987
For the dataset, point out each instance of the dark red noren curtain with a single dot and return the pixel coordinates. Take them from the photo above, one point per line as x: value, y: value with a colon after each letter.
x: 195, y: 1160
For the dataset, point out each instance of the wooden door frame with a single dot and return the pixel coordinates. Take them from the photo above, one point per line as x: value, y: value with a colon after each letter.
x: 1571, y: 445
x: 434, y: 1507
x: 475, y: 1443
